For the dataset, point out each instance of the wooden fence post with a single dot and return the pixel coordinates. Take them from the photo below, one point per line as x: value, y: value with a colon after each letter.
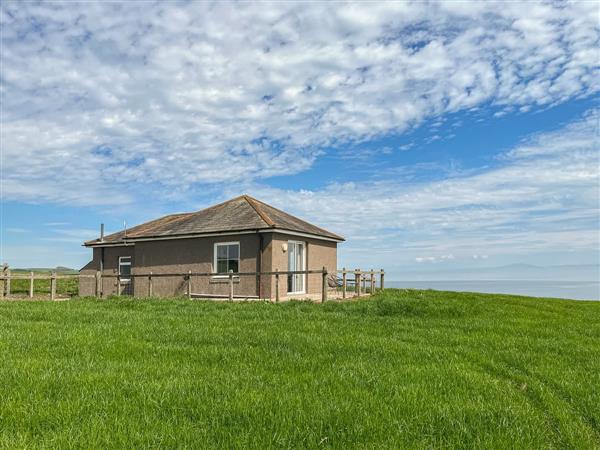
x: 381, y: 285
x: 53, y: 286
x: 324, y: 287
x: 8, y: 281
x: 357, y: 282
x: 189, y: 285
x: 2, y: 281
x: 344, y: 282
x: 98, y: 284
x: 150, y: 284
x: 372, y: 282
x: 276, y: 285
x: 119, y: 284
x: 258, y: 284
x: 30, y: 284
x: 230, y: 285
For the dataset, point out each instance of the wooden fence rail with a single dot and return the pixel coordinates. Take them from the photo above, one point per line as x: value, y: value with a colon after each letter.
x: 345, y: 283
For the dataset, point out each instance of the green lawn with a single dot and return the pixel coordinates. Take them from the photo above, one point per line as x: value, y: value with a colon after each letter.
x: 403, y: 369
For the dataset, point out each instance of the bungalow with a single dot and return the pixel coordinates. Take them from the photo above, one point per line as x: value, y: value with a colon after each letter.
x: 240, y: 235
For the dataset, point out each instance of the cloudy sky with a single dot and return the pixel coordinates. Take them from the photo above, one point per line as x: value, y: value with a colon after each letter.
x: 433, y: 135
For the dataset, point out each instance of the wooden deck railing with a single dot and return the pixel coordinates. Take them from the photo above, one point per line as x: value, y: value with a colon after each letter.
x: 356, y: 282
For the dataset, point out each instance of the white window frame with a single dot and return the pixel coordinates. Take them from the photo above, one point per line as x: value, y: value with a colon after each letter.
x: 125, y: 263
x: 304, y: 265
x: 215, y: 257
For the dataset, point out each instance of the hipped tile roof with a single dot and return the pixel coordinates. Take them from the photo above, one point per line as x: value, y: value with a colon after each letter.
x: 242, y: 213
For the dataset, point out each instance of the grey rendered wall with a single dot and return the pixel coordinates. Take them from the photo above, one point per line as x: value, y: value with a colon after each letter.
x: 87, y: 286
x: 173, y: 256
x: 319, y: 254
x: 183, y: 255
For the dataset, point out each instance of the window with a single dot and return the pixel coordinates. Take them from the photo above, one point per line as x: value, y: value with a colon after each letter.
x: 227, y: 257
x: 296, y: 262
x: 125, y: 268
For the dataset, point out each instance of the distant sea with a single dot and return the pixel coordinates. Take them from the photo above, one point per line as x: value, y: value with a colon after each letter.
x: 578, y: 290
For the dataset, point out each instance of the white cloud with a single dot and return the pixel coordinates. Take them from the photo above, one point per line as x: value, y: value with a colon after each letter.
x: 16, y: 230
x: 95, y: 96
x: 434, y: 259
x: 421, y: 259
x: 70, y: 235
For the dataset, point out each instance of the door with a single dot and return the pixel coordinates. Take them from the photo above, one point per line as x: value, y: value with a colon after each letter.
x: 296, y: 261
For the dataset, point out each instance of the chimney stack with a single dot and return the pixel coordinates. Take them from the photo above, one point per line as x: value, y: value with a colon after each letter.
x: 101, y: 232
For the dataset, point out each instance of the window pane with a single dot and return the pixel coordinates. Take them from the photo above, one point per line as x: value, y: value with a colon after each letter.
x: 234, y: 251
x: 291, y: 256
x: 221, y: 265
x: 125, y: 270
x: 227, y: 257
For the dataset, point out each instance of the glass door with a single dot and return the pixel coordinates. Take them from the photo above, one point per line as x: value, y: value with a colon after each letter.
x: 296, y: 261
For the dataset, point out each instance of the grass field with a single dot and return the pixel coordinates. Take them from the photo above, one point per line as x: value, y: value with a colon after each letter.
x: 403, y: 369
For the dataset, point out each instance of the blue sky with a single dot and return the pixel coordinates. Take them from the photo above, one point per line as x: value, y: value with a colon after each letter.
x: 433, y: 136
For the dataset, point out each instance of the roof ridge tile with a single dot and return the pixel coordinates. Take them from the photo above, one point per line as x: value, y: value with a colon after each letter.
x: 263, y: 215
